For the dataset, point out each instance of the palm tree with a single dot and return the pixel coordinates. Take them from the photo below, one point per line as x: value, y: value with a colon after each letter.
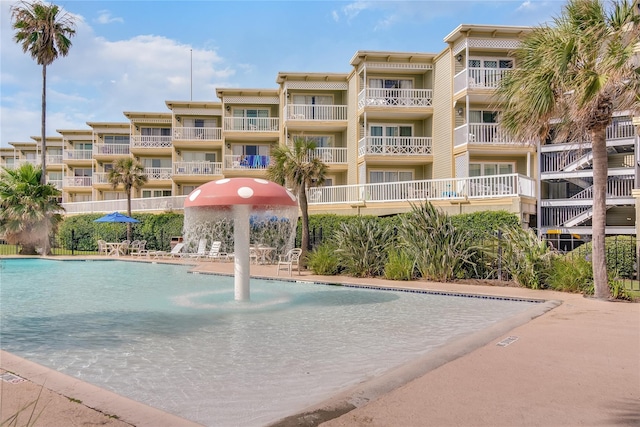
x: 130, y: 173
x: 43, y: 30
x: 570, y: 78
x: 297, y: 168
x: 29, y: 210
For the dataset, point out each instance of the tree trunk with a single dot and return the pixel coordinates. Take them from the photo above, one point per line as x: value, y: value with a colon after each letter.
x: 304, y: 209
x: 600, y: 173
x: 43, y: 127
x: 128, y: 190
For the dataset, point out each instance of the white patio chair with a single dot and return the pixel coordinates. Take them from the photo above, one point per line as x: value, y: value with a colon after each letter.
x: 102, y: 247
x: 174, y: 252
x: 290, y: 260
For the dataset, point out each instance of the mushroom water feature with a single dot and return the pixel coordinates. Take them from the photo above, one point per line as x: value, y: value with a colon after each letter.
x: 246, y: 206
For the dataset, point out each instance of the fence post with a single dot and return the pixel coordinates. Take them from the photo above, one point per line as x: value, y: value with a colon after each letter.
x: 73, y: 241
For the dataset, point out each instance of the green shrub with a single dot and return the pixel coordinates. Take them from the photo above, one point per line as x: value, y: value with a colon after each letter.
x: 440, y: 250
x: 399, y: 266
x: 324, y: 260
x: 484, y: 224
x: 362, y: 246
x: 620, y: 253
x: 570, y: 274
x: 156, y: 229
x: 525, y: 257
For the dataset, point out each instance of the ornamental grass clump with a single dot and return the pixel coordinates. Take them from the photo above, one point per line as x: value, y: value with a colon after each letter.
x: 441, y: 251
x: 362, y: 246
x: 525, y: 257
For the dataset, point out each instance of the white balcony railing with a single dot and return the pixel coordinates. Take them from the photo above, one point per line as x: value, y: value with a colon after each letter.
x: 101, y: 178
x: 78, y: 154
x: 394, y: 145
x: 19, y: 162
x: 197, y: 168
x: 329, y: 155
x: 77, y: 181
x: 197, y: 133
x: 315, y: 112
x: 235, y: 161
x: 150, y: 204
x: 157, y: 174
x: 482, y: 134
x: 145, y: 141
x: 621, y: 128
x: 252, y: 124
x: 54, y: 159
x: 512, y: 185
x: 478, y: 78
x: 55, y: 182
x: 395, y: 97
x: 111, y: 149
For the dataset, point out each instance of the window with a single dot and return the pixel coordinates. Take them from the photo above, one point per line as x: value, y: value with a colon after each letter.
x: 377, y: 177
x: 480, y: 116
x: 155, y: 131
x: 116, y: 139
x: 83, y: 146
x: 187, y: 189
x: 156, y: 163
x: 190, y: 156
x: 386, y: 138
x: 251, y: 119
x: 156, y: 193
x: 487, y: 72
x: 82, y: 172
x: 487, y: 169
x: 321, y: 141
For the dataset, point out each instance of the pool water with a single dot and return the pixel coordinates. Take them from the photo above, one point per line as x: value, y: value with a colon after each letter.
x: 178, y: 341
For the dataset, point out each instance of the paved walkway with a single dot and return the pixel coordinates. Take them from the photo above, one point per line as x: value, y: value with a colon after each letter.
x: 577, y: 364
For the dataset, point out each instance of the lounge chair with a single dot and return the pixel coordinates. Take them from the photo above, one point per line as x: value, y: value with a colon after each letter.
x: 174, y: 252
x: 215, y: 254
x: 290, y: 260
x: 202, y: 250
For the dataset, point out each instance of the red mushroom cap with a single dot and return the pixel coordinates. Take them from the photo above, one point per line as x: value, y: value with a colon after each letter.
x: 240, y: 191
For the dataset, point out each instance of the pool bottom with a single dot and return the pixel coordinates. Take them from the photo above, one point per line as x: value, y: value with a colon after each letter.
x: 139, y: 414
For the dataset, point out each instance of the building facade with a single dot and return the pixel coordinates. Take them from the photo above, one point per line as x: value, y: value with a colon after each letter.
x: 398, y: 128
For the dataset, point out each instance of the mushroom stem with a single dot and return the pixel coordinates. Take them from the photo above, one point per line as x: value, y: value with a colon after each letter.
x: 241, y: 215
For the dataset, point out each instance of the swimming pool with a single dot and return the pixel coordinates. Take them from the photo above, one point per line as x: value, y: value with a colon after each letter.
x: 179, y: 341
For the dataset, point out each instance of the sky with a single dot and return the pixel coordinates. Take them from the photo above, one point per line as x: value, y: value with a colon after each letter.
x: 135, y: 55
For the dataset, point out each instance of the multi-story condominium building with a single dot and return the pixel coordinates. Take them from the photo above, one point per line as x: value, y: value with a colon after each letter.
x: 398, y: 128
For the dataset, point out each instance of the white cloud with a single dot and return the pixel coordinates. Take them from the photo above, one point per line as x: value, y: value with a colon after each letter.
x: 100, y: 79
x: 104, y: 17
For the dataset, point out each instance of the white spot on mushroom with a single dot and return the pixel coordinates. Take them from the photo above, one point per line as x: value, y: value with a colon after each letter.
x: 245, y: 192
x: 222, y: 181
x: 194, y: 195
x: 261, y: 181
x: 290, y: 194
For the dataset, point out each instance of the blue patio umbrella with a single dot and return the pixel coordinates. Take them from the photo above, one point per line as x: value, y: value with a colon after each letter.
x: 115, y: 217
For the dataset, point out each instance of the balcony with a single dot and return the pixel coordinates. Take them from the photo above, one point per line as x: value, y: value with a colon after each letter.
x: 54, y: 159
x: 329, y: 155
x: 454, y: 189
x: 197, y: 168
x: 485, y: 187
x: 57, y: 183
x: 478, y: 78
x: 158, y: 174
x: 145, y: 141
x: 483, y: 134
x: 394, y: 146
x: 381, y: 97
x: 252, y: 124
x: 81, y: 155
x: 249, y: 162
x: 77, y: 181
x: 304, y: 112
x: 101, y: 178
x: 197, y: 134
x: 111, y: 150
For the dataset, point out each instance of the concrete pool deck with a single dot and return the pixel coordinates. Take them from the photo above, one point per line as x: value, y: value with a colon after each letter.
x: 577, y: 364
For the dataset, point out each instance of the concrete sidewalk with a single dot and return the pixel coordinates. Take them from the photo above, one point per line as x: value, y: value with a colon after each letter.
x: 578, y: 364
